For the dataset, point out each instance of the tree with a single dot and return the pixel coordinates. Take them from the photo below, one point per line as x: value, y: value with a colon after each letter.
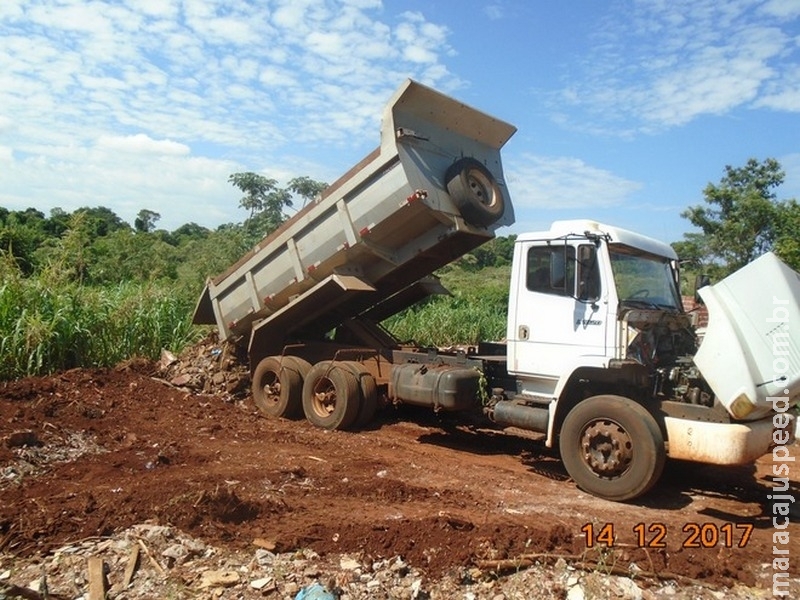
x: 21, y: 233
x: 741, y: 218
x: 101, y: 221
x: 307, y: 188
x: 146, y: 220
x: 265, y: 201
x: 787, y: 242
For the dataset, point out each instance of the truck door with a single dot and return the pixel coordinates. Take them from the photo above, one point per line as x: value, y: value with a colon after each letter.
x: 560, y: 321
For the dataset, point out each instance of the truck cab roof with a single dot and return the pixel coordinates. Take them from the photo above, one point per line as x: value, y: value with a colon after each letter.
x: 582, y: 227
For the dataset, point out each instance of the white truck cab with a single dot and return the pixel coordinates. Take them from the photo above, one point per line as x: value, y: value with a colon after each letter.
x: 602, y: 350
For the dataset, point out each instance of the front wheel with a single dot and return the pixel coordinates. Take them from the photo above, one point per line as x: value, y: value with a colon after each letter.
x: 612, y: 447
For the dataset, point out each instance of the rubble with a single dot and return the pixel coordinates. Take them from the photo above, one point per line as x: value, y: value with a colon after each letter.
x: 204, y: 571
x: 208, y: 367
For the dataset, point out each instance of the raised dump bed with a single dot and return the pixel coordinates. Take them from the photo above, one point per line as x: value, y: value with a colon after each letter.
x: 431, y: 192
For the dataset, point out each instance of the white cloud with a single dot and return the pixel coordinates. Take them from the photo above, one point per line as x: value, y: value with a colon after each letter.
x: 664, y: 64
x: 564, y: 183
x: 118, y: 102
x: 142, y: 144
x: 783, y: 93
x: 782, y: 8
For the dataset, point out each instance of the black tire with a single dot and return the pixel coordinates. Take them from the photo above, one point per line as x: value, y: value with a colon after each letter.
x: 278, y: 387
x: 612, y: 447
x: 330, y: 396
x: 300, y: 365
x: 475, y: 192
x: 369, y: 394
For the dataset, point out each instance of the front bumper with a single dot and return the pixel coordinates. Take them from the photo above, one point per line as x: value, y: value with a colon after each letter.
x: 725, y: 443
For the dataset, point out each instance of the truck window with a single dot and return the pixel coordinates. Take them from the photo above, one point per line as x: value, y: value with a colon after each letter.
x: 643, y: 279
x: 551, y: 270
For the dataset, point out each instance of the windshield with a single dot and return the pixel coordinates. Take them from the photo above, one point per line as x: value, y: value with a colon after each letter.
x: 643, y: 279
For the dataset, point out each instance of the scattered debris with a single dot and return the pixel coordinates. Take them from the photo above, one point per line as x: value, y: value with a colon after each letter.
x: 305, y: 575
x: 208, y: 367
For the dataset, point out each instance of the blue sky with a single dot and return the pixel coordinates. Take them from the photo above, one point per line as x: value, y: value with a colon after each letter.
x: 625, y: 110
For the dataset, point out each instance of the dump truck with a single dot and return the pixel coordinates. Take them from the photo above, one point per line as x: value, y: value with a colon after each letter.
x: 599, y: 357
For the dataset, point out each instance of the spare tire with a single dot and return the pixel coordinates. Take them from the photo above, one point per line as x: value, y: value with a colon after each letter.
x: 475, y: 192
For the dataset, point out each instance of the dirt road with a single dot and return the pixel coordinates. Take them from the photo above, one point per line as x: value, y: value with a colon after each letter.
x: 117, y: 448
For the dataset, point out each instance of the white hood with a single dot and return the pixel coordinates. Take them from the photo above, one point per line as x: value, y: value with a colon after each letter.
x: 751, y: 349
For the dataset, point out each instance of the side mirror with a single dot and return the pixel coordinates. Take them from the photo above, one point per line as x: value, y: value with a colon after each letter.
x: 699, y: 282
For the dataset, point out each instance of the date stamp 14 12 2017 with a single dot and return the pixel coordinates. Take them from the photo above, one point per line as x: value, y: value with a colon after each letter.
x: 657, y: 535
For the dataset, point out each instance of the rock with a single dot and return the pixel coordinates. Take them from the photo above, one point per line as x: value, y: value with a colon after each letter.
x: 260, y: 584
x: 19, y: 439
x: 264, y: 558
x: 167, y: 358
x: 576, y: 593
x: 176, y: 554
x: 628, y: 590
x: 265, y: 544
x: 210, y: 579
x: 181, y: 380
x: 349, y: 564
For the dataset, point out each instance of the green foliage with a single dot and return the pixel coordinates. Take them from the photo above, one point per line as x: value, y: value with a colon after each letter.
x: 740, y: 220
x: 21, y: 233
x: 494, y: 253
x: 307, y: 188
x: 265, y: 201
x: 787, y: 242
x: 46, y: 327
x: 476, y: 311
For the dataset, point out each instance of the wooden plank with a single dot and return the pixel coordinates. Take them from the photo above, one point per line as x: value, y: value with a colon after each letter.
x: 130, y: 570
x: 97, y: 579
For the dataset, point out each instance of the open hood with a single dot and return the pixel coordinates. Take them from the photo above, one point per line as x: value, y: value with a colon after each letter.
x: 751, y: 349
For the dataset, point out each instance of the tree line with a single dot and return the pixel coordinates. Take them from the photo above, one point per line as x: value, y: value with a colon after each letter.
x: 94, y: 246
x: 740, y: 218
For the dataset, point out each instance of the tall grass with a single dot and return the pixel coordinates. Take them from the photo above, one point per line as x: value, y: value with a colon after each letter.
x: 475, y: 312
x: 47, y: 325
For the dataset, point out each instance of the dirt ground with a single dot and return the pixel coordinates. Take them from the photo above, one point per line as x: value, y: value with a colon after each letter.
x: 125, y: 448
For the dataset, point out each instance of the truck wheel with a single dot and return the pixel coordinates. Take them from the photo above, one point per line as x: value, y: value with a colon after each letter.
x: 278, y: 386
x: 475, y: 192
x: 369, y: 393
x: 612, y: 447
x: 330, y: 396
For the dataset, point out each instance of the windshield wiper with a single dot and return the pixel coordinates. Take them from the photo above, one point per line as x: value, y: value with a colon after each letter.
x: 640, y: 303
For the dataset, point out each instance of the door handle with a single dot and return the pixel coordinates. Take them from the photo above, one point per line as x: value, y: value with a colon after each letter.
x: 523, y: 333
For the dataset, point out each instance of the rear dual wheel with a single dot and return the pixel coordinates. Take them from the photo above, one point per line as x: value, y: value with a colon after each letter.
x: 368, y: 396
x: 278, y: 386
x: 331, y: 396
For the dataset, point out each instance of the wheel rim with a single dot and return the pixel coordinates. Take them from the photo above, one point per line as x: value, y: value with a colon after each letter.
x: 324, y: 401
x: 271, y: 384
x: 607, y: 448
x: 482, y: 188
